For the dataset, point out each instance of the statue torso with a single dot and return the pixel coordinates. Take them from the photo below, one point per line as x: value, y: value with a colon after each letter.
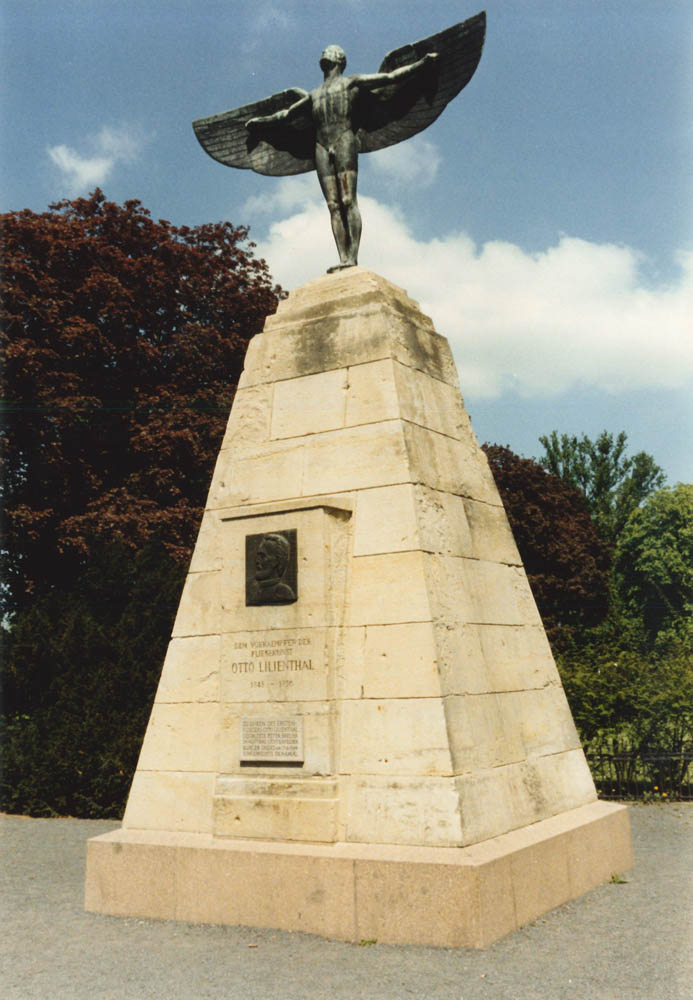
x: 332, y: 104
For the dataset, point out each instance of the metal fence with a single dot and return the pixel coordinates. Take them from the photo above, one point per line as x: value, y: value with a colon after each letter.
x: 650, y: 774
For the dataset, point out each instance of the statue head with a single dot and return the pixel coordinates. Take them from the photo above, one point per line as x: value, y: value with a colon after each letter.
x: 333, y: 55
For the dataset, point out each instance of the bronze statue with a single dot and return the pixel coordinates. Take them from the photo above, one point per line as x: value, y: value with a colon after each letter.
x: 294, y: 131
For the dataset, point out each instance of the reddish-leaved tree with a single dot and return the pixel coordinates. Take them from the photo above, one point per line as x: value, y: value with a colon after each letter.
x: 123, y: 341
x: 566, y: 561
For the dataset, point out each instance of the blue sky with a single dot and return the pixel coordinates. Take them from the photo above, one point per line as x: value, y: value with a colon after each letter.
x: 545, y: 221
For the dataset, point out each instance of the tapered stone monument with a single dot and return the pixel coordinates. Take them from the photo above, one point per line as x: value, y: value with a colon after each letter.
x: 359, y: 729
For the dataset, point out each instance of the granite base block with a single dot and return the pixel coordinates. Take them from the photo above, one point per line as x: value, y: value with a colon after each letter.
x: 445, y: 897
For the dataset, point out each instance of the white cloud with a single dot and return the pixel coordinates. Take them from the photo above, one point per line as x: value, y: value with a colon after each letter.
x: 120, y: 143
x: 284, y: 195
x: 414, y: 162
x: 81, y: 172
x: 109, y: 147
x: 575, y: 315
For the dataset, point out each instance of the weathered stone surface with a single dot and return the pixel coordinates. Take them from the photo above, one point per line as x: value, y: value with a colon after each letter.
x: 500, y: 594
x: 429, y: 402
x: 200, y: 606
x: 542, y: 720
x: 179, y: 801
x: 490, y: 534
x: 191, y: 670
x: 450, y: 599
x: 372, y: 393
x: 451, y: 465
x: 356, y: 294
x: 173, y: 740
x: 401, y: 809
x: 360, y: 292
x: 377, y: 594
x: 273, y: 474
x: 249, y: 421
x: 517, y: 657
x: 284, y: 810
x: 390, y: 661
x: 364, y: 319
x: 442, y: 523
x: 395, y: 736
x: 414, y: 648
x: 356, y: 458
x: 461, y: 663
x: 310, y: 404
x: 398, y: 532
x: 412, y: 667
x: 478, y: 737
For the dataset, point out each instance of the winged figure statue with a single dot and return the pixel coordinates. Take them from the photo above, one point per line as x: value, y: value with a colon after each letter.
x: 294, y: 131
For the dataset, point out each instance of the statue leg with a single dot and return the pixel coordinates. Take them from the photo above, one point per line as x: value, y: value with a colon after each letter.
x: 330, y: 189
x: 351, y: 213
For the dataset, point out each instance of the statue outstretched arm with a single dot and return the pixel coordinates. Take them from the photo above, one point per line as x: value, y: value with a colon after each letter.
x: 285, y: 116
x: 372, y: 81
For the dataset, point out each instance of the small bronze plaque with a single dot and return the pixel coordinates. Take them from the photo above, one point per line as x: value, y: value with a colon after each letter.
x: 276, y: 740
x: 271, y: 568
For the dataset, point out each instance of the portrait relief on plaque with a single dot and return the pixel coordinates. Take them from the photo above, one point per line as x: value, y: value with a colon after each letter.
x: 271, y: 568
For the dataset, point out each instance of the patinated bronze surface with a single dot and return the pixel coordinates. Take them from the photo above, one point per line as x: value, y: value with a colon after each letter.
x: 295, y: 131
x: 271, y: 568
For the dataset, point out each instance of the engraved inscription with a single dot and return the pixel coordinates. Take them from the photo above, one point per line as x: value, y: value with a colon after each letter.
x: 288, y: 664
x: 272, y: 740
x: 271, y: 568
x: 262, y: 649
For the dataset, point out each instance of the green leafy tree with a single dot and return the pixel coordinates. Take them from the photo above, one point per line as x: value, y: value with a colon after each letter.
x: 80, y: 677
x: 566, y: 561
x: 654, y: 563
x: 613, y: 483
x: 646, y: 698
x: 123, y: 341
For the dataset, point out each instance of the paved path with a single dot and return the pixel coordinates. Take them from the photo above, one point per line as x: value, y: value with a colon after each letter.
x: 621, y: 942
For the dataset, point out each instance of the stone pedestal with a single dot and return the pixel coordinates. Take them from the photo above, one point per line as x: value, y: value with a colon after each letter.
x: 369, y: 738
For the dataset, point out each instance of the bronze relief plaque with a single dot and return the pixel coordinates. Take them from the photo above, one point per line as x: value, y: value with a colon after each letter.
x: 271, y: 568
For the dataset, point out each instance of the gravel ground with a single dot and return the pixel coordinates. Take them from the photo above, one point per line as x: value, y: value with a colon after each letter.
x: 621, y: 942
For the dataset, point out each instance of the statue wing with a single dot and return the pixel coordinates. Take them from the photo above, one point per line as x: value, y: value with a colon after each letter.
x: 286, y: 147
x: 399, y: 110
